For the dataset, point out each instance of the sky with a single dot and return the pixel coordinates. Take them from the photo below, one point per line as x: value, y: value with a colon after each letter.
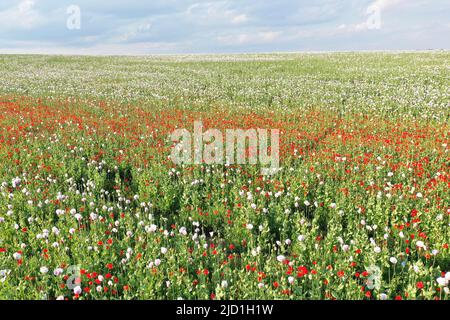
x: 137, y: 27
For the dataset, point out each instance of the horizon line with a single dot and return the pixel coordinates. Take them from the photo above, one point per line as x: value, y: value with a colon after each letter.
x: 223, y: 53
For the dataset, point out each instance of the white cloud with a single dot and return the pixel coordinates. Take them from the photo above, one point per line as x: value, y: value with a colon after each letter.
x: 22, y: 16
x: 264, y: 37
x: 387, y: 4
x: 239, y: 19
x: 269, y: 36
x: 139, y: 48
x: 215, y: 13
x: 134, y: 31
x: 352, y: 28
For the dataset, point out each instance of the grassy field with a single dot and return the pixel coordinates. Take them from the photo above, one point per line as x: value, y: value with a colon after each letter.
x: 92, y: 207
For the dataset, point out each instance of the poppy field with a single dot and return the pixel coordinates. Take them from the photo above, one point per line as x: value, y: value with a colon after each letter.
x: 92, y: 207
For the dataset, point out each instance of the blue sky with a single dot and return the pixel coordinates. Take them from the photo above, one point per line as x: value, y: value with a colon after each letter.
x: 224, y: 26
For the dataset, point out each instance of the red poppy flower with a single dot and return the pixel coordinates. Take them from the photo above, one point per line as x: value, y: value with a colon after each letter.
x: 302, y: 271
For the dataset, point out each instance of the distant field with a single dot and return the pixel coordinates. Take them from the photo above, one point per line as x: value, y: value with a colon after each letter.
x: 92, y: 206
